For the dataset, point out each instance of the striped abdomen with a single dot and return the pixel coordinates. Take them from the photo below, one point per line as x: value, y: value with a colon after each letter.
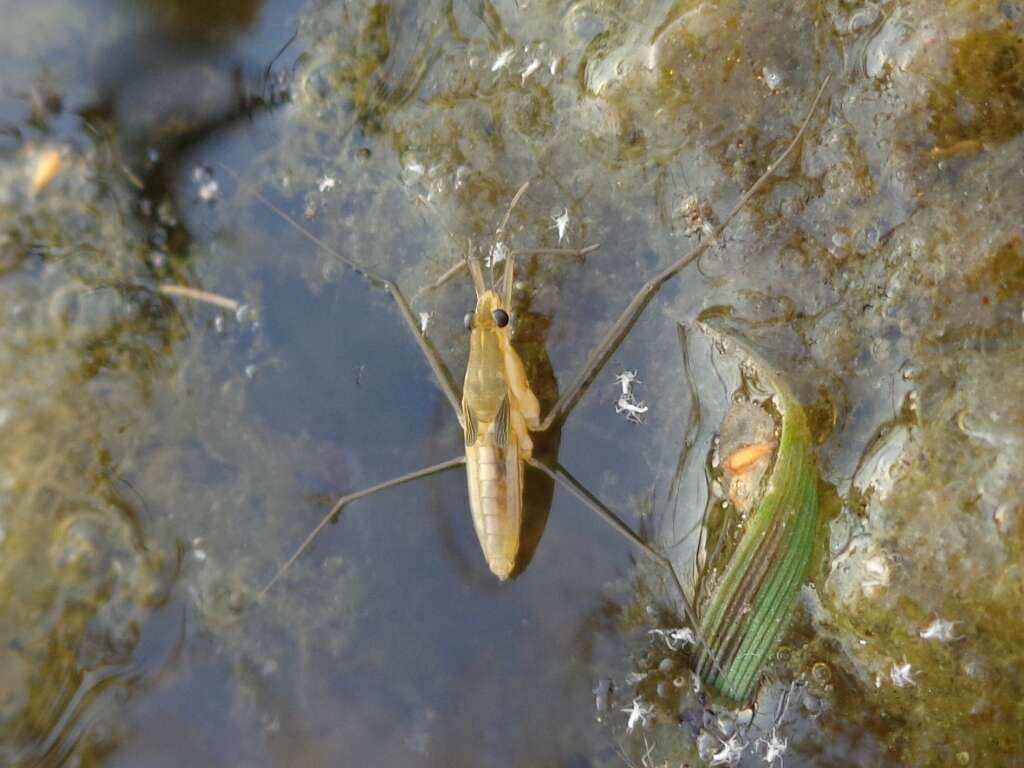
x: 494, y: 474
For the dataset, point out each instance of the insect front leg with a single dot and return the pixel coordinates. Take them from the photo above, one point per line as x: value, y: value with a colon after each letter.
x: 627, y: 319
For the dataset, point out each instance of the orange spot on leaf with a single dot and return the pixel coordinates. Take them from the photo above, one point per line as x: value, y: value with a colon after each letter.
x: 743, y: 459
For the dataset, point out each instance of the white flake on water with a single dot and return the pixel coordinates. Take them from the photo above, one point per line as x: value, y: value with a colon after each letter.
x: 561, y: 223
x: 876, y: 576
x: 774, y: 747
x: 326, y: 183
x: 640, y: 713
x: 499, y: 252
x: 730, y: 753
x: 902, y: 674
x: 532, y: 67
x: 627, y: 402
x: 940, y: 629
x: 771, y: 78
x: 206, y: 186
x: 675, y: 638
x: 633, y: 409
x: 503, y: 60
x: 626, y: 380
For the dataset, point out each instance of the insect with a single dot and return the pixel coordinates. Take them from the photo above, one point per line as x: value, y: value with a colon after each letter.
x: 497, y: 410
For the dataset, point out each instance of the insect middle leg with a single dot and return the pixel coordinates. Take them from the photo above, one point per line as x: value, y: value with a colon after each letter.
x: 440, y: 370
x: 343, y: 501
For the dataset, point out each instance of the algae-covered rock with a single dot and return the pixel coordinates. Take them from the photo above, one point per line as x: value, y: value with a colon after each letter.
x: 921, y: 608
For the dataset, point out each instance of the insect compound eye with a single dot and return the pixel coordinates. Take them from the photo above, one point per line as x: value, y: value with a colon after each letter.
x: 468, y: 321
x: 500, y: 317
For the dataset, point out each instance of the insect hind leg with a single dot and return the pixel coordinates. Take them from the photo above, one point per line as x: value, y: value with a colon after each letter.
x: 341, y: 503
x: 571, y: 484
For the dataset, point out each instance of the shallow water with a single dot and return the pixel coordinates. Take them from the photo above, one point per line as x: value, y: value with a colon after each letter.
x: 161, y: 456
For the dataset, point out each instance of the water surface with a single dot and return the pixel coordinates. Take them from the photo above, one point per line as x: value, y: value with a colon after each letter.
x: 162, y: 456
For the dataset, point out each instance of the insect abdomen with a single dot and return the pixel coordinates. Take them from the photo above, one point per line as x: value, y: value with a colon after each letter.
x: 496, y: 501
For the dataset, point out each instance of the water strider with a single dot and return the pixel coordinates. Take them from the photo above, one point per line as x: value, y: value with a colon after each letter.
x: 497, y: 411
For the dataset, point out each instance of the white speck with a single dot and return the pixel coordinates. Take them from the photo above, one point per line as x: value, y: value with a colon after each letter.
x: 635, y: 677
x: 503, y: 60
x: 209, y: 191
x: 633, y: 409
x: 902, y: 675
x: 640, y: 712
x: 876, y: 575
x: 627, y: 402
x: 532, y: 67
x: 774, y: 747
x: 675, y: 638
x: 424, y: 321
x: 730, y: 753
x: 206, y: 186
x: 561, y: 223
x: 626, y: 379
x: 412, y: 172
x: 940, y: 629
x: 326, y: 183
x: 499, y: 252
x: 250, y: 372
x: 553, y: 66
x: 771, y: 78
